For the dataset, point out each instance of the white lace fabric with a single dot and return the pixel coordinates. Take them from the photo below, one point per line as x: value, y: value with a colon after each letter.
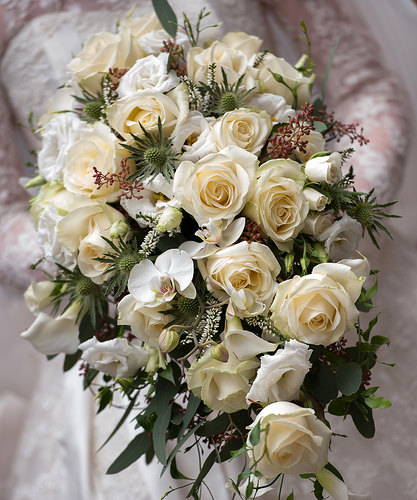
x: 57, y: 456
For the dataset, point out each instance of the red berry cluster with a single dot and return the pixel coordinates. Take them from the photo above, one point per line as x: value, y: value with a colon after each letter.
x: 130, y: 189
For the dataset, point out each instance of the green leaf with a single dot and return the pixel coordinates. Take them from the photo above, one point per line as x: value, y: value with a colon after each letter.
x: 167, y: 374
x: 216, y: 426
x: 89, y: 377
x: 175, y: 473
x: 323, y: 383
x: 369, y: 391
x: 380, y: 340
x: 329, y: 65
x: 348, y: 378
x: 255, y: 434
x: 105, y: 396
x: 134, y: 450
x: 339, y: 407
x: 318, y: 490
x: 166, y: 16
x: 158, y: 435
x: 371, y: 325
x: 208, y: 464
x: 249, y: 489
x: 290, y: 496
x: 363, y: 420
x: 192, y: 407
x: 70, y: 360
x: 377, y: 402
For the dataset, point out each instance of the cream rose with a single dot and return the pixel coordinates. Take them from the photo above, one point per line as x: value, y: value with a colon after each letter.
x: 316, y: 224
x: 96, y: 147
x: 218, y: 186
x: 101, y: 52
x: 247, y: 267
x: 126, y: 113
x: 147, y: 323
x: 315, y: 144
x: 278, y: 204
x: 316, y: 200
x: 222, y: 386
x: 244, y: 128
x: 81, y: 232
x: 248, y: 44
x: 137, y: 27
x: 342, y: 238
x: 280, y: 375
x: 325, y: 168
x: 115, y: 357
x: 293, y: 78
x: 318, y: 308
x: 294, y: 439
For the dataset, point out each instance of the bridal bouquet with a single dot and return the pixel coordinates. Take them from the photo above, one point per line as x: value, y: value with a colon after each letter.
x: 200, y: 225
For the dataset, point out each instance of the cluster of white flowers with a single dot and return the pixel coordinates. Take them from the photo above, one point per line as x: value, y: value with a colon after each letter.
x: 224, y: 188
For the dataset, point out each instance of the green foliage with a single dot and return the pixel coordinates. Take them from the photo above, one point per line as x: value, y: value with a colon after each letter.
x: 134, y: 450
x: 166, y: 16
x: 193, y: 34
x: 348, y: 378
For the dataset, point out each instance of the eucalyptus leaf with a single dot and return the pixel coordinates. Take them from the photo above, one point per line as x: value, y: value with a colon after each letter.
x: 134, y: 450
x: 249, y: 489
x: 208, y: 464
x: 166, y: 16
x: 323, y: 383
x: 363, y: 420
x: 216, y: 426
x: 290, y: 496
x: 70, y: 360
x: 159, y: 430
x: 348, y: 378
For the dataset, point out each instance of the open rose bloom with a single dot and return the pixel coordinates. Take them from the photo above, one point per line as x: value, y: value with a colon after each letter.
x: 200, y: 232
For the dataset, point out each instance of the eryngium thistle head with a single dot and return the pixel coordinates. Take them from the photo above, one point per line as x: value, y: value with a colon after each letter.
x: 364, y: 214
x: 127, y: 263
x: 156, y: 156
x: 93, y: 109
x: 188, y: 306
x: 228, y: 101
x: 85, y: 286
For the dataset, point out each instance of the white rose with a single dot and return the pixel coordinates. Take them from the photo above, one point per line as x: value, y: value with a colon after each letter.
x: 248, y: 44
x: 275, y: 105
x: 278, y: 204
x: 316, y: 224
x: 292, y: 77
x: 38, y: 296
x: 58, y: 135
x: 81, y: 231
x: 234, y: 62
x: 222, y: 386
x: 342, y: 237
x: 96, y: 147
x: 244, y: 128
x: 126, y: 113
x: 53, y: 335
x: 101, y: 52
x: 115, y: 357
x: 148, y: 74
x: 316, y: 200
x: 48, y: 240
x: 325, y: 168
x: 315, y: 144
x: 139, y: 26
x: 280, y: 375
x: 249, y: 267
x: 318, y: 308
x: 146, y: 323
x: 218, y: 186
x: 295, y: 440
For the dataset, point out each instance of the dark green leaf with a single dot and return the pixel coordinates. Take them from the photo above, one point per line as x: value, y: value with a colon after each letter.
x: 105, y: 396
x: 255, y: 434
x: 228, y: 448
x: 318, y: 490
x: 215, y: 426
x: 208, y: 464
x: 333, y: 470
x: 290, y: 496
x: 192, y: 406
x: 371, y: 324
x: 369, y: 392
x: 159, y: 430
x: 348, y: 378
x: 380, y: 340
x: 134, y: 450
x: 86, y: 330
x: 166, y: 16
x: 377, y: 402
x: 363, y: 420
x: 339, y: 407
x: 89, y: 377
x: 70, y: 360
x: 249, y: 489
x: 175, y: 473
x: 323, y: 383
x: 167, y: 374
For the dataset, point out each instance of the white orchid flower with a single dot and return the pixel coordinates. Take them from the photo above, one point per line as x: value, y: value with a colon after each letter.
x: 172, y: 273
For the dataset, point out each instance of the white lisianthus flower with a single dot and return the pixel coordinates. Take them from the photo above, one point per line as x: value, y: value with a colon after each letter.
x: 293, y: 78
x: 196, y: 134
x: 101, y: 52
x: 316, y: 200
x: 58, y: 135
x: 249, y: 267
x: 275, y: 105
x: 148, y: 74
x: 342, y: 238
x: 81, y: 231
x: 48, y: 240
x: 151, y: 42
x: 146, y: 323
x: 222, y: 386
x: 218, y: 186
x: 295, y: 440
x: 278, y: 204
x: 325, y: 168
x: 135, y: 28
x: 62, y: 100
x: 172, y: 273
x: 244, y: 128
x: 115, y: 357
x: 318, y: 308
x: 315, y: 144
x: 360, y: 267
x: 38, y: 296
x: 280, y: 375
x: 125, y: 114
x: 96, y: 147
x: 316, y: 223
x: 54, y: 335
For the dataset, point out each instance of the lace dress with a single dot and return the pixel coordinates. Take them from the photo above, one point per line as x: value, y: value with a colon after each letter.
x: 57, y: 458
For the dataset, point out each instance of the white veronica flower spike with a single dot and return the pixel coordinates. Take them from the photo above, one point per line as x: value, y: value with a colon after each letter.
x: 155, y: 283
